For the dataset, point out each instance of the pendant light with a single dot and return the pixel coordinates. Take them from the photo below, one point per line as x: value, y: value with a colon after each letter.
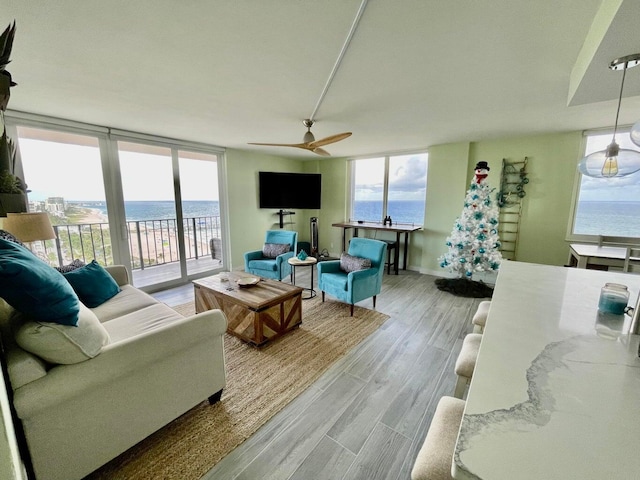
x: 614, y: 161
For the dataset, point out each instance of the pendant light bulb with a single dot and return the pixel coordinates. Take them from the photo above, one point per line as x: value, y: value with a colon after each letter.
x: 610, y: 166
x: 614, y: 161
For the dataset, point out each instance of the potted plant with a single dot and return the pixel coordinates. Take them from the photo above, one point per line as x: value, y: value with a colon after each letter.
x: 13, y: 191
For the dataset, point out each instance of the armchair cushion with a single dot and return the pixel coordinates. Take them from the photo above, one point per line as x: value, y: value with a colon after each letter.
x: 93, y: 284
x: 64, y: 344
x: 272, y: 250
x: 349, y: 263
x: 264, y: 264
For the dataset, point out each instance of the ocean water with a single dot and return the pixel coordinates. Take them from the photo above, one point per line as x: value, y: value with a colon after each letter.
x: 403, y: 211
x: 608, y: 218
x: 157, y: 210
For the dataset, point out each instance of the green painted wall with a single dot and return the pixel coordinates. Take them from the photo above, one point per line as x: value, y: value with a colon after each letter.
x: 248, y: 222
x: 546, y: 210
x: 547, y: 205
x: 446, y: 187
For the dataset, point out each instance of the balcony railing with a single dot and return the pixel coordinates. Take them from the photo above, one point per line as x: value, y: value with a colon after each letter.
x: 151, y: 242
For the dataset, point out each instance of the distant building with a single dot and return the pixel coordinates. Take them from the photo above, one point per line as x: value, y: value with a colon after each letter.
x: 55, y: 206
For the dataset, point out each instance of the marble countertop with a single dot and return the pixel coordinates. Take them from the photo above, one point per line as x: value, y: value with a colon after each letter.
x: 556, y: 391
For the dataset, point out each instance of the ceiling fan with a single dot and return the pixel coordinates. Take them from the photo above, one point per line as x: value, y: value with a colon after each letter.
x: 309, y: 142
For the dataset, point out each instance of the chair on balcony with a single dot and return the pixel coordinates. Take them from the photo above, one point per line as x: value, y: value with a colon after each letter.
x: 355, y: 284
x: 272, y: 260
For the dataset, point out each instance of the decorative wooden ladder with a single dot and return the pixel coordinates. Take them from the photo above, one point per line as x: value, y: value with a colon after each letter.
x: 510, y: 198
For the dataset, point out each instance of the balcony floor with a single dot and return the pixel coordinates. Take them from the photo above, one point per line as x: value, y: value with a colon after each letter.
x: 168, y: 272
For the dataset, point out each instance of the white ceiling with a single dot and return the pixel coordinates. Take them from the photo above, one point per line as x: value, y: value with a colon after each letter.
x: 417, y: 73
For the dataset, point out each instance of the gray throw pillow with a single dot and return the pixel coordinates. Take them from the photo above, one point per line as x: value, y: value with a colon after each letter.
x: 272, y: 250
x: 349, y: 263
x: 10, y: 237
x: 70, y: 267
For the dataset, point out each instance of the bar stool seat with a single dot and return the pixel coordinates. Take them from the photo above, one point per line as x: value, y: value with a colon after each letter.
x: 466, y: 362
x: 391, y: 246
x: 479, y: 319
x: 436, y: 455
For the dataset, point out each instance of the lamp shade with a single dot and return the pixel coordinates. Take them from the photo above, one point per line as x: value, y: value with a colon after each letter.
x: 635, y: 133
x: 593, y: 164
x: 29, y: 227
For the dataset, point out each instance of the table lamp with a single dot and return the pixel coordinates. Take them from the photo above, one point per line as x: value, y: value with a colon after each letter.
x: 29, y: 227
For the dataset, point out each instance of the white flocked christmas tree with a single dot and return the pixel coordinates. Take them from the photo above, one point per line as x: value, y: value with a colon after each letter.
x: 474, y: 242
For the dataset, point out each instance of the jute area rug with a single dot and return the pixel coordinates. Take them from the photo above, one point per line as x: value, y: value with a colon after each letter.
x: 260, y: 382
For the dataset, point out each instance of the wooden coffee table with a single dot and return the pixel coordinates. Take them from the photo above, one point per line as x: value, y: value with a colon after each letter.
x: 255, y: 314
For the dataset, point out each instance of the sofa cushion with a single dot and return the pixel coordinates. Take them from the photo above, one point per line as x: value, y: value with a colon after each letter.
x: 93, y: 284
x: 349, y: 263
x: 128, y: 300
x: 272, y: 250
x: 141, y: 321
x: 34, y: 288
x: 64, y: 344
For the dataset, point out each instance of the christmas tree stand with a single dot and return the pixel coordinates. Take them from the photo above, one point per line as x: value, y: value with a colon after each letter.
x: 463, y: 287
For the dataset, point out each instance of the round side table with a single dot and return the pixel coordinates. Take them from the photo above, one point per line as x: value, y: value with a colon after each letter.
x: 307, y: 262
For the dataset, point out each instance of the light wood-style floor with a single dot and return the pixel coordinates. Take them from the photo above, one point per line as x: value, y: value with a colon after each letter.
x: 367, y: 416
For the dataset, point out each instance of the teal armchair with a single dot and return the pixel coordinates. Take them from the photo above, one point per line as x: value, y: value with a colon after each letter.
x: 355, y: 286
x: 276, y: 268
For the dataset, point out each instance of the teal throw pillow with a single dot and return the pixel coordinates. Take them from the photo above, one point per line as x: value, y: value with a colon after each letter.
x: 93, y: 284
x: 34, y: 288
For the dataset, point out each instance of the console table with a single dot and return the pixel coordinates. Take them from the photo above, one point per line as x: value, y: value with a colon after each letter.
x: 551, y: 398
x: 582, y: 255
x: 399, y: 229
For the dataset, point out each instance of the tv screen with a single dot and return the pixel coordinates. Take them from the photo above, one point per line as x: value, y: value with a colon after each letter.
x: 290, y: 190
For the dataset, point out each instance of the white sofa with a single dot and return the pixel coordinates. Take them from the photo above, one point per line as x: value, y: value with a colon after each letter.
x: 156, y: 366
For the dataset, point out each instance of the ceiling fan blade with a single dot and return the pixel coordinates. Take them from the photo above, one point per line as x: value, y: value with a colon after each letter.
x: 299, y: 145
x: 331, y: 139
x: 321, y: 151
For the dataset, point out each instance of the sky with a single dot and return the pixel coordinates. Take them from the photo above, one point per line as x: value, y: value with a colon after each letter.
x: 75, y: 173
x: 407, y: 178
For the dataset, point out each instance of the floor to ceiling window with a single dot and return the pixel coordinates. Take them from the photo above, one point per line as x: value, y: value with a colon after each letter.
x: 150, y: 209
x: 200, y: 210
x: 607, y: 206
x: 150, y: 203
x: 393, y: 185
x: 63, y: 173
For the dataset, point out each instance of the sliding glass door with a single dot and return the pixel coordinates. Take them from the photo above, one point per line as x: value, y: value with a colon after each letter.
x: 63, y: 172
x: 150, y: 209
x: 137, y: 200
x: 200, y: 202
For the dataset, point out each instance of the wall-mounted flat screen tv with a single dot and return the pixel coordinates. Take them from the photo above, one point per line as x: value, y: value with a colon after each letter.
x: 290, y: 190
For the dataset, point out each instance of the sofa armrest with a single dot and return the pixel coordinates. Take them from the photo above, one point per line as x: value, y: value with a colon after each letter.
x: 119, y: 274
x: 118, y: 360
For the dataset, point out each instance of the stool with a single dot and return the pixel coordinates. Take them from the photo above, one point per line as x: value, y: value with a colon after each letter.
x: 436, y: 455
x: 479, y: 319
x: 466, y: 362
x: 391, y: 246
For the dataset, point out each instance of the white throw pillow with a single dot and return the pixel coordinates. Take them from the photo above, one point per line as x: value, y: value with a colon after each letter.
x: 64, y: 344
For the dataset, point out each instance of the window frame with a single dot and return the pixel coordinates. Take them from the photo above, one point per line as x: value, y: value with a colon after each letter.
x: 385, y: 195
x: 107, y: 141
x: 588, y: 238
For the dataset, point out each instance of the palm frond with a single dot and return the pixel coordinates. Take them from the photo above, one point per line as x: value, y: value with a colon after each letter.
x: 6, y: 44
